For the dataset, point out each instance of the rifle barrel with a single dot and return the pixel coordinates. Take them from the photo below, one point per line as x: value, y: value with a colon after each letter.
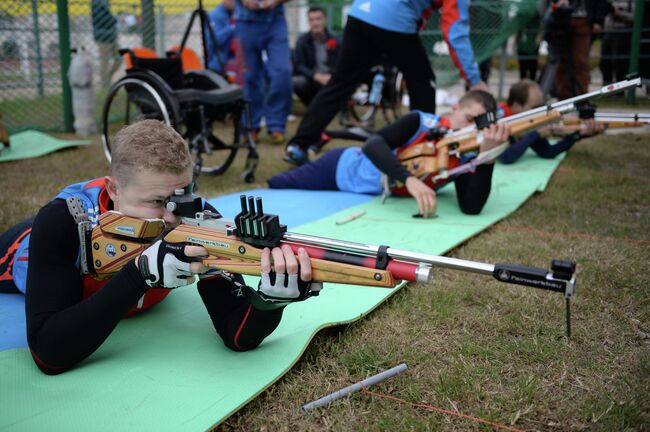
x: 566, y: 104
x: 631, y: 117
x: 396, y: 254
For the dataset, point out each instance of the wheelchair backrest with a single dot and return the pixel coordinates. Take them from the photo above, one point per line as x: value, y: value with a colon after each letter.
x: 169, y: 69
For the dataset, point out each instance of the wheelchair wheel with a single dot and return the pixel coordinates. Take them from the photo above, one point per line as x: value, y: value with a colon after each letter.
x: 216, y: 154
x: 394, y: 96
x: 130, y: 100
x: 360, y: 110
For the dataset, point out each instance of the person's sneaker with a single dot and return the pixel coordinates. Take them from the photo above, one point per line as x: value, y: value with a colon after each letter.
x: 277, y: 138
x: 295, y: 155
x: 315, y: 149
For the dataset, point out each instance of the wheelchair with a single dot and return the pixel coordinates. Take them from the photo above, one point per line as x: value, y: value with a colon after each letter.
x: 383, y: 90
x: 199, y: 104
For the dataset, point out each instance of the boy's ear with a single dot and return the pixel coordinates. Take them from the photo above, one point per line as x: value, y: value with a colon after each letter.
x: 111, y: 187
x: 455, y: 107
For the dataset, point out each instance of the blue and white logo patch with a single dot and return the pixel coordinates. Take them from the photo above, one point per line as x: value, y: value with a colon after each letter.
x: 110, y: 250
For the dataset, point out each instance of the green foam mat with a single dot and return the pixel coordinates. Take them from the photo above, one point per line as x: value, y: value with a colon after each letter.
x: 167, y: 370
x: 31, y: 144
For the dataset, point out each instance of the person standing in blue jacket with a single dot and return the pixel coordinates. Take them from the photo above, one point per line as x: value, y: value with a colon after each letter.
x: 222, y: 22
x: 262, y: 28
x: 389, y: 28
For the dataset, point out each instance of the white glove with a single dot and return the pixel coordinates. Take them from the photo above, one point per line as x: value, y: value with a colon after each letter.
x: 286, y: 288
x: 166, y: 265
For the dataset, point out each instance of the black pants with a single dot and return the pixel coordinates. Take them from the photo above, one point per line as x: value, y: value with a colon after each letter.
x: 528, y: 67
x: 615, y: 56
x: 363, y: 47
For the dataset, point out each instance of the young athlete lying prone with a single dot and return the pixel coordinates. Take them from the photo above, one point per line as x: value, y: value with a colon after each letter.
x: 70, y: 314
x: 359, y: 170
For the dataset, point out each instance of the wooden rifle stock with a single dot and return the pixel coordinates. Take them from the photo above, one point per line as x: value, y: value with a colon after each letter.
x: 414, y: 157
x: 431, y: 162
x: 606, y: 120
x: 118, y: 239
x: 231, y: 254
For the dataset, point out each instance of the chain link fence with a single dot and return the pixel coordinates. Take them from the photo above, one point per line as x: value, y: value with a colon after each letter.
x: 33, y: 81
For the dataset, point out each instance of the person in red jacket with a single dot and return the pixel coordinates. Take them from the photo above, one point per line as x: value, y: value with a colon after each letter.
x: 70, y: 314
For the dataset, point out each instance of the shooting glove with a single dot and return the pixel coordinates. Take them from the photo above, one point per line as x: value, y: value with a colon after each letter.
x: 286, y: 288
x: 165, y: 265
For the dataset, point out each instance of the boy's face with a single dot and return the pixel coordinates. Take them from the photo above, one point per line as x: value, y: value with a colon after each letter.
x: 145, y: 194
x: 316, y: 22
x: 535, y: 98
x: 463, y: 115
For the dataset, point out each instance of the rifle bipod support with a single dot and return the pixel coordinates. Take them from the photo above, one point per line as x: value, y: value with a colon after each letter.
x: 560, y: 279
x: 255, y: 227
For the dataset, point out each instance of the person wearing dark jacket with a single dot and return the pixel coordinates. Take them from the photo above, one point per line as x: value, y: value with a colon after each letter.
x: 314, y: 56
x: 571, y: 24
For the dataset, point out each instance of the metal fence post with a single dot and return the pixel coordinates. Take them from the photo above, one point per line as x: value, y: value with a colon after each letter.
x: 636, y: 45
x: 503, y: 59
x: 160, y: 22
x: 37, y: 46
x: 148, y: 24
x: 63, y: 21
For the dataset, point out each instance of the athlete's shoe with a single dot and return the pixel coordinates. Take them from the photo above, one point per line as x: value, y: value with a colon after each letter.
x: 277, y: 138
x: 295, y: 155
x: 314, y: 149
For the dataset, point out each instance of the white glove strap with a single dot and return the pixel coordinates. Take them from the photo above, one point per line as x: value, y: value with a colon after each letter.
x: 277, y: 290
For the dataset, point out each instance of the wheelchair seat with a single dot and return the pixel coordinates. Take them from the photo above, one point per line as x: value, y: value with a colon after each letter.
x: 208, y: 87
x: 190, y: 101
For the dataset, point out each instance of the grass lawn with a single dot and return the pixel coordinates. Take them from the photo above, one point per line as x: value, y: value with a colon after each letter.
x: 472, y: 344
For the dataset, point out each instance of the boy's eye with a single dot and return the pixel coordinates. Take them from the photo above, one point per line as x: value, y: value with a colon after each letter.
x: 156, y: 202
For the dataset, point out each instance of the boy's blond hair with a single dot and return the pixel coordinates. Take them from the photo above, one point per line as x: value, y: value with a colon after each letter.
x: 148, y: 145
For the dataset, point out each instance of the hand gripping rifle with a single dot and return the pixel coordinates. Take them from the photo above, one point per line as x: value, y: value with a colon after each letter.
x: 437, y: 159
x: 236, y: 246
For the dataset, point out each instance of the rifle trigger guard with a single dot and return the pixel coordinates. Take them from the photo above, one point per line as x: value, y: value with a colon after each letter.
x: 382, y: 258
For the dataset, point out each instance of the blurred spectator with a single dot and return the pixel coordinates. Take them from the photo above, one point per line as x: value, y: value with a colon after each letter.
x: 314, y: 56
x: 528, y: 47
x: 105, y: 34
x: 230, y: 54
x: 262, y: 28
x: 616, y: 41
x: 570, y: 25
x: 222, y: 21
